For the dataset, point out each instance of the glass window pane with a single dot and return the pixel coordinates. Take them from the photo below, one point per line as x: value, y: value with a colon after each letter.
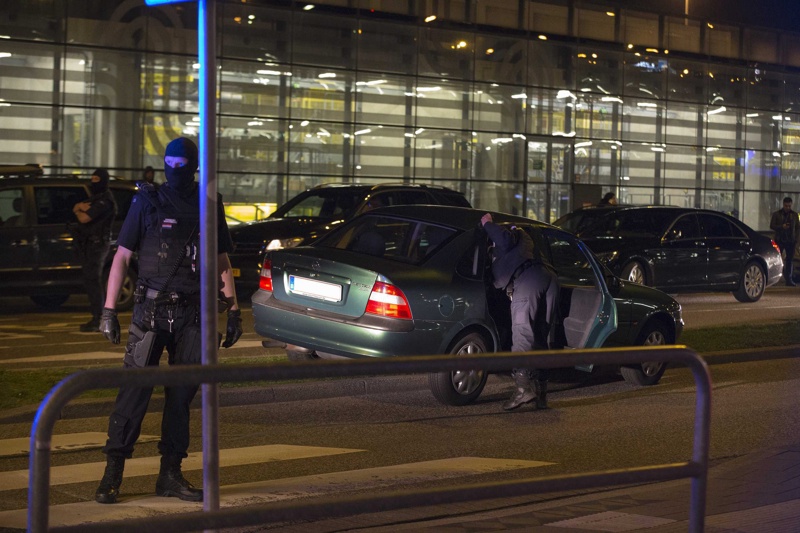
x: 102, y: 77
x: 499, y: 157
x: 500, y: 59
x: 27, y: 134
x: 548, y: 112
x: 599, y: 71
x: 316, y: 148
x: 762, y: 170
x: 442, y: 103
x: 721, y: 125
x: 639, y: 164
x: 499, y: 108
x: 381, y: 151
x: 760, y: 131
x: 251, y: 144
x: 687, y: 80
x: 385, y: 99
x: 322, y: 94
x: 253, y: 89
x: 642, y: 120
x: 645, y: 75
x: 680, y: 166
x: 385, y: 47
x: 597, y: 116
x: 765, y: 90
x: 683, y: 121
x: 550, y: 65
x: 43, y: 20
x: 171, y: 83
x: 324, y: 40
x: 727, y: 82
x: 791, y: 132
x: 264, y: 37
x: 28, y: 72
x: 446, y: 53
x: 440, y: 156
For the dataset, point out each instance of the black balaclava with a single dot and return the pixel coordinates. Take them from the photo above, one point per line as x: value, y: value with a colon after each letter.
x: 181, y: 179
x: 102, y: 185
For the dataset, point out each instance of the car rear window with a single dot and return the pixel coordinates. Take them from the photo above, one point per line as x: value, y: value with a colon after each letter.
x: 322, y: 203
x: 407, y: 241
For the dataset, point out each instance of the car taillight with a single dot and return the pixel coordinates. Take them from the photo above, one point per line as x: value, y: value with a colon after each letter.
x: 389, y: 301
x: 777, y: 248
x: 265, y: 282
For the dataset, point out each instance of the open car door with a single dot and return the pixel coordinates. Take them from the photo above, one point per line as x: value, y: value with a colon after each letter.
x: 588, y: 311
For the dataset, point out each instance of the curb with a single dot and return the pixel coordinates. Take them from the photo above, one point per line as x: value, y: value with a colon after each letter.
x: 333, y: 388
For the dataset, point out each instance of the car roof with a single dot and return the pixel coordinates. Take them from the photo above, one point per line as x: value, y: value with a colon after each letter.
x: 381, y: 186
x: 61, y: 179
x: 458, y: 217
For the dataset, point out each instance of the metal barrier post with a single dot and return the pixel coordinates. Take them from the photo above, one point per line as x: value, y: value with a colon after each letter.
x: 42, y: 429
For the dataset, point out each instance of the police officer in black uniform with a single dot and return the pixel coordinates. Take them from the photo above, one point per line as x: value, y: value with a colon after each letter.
x: 533, y: 289
x: 163, y: 226
x: 92, y: 238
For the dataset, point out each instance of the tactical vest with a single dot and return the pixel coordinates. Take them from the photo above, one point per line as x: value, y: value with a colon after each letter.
x: 172, y: 243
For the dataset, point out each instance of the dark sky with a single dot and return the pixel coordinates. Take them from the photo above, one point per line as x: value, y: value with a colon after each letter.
x: 784, y: 14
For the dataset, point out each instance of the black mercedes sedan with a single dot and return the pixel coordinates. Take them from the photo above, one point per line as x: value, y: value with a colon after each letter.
x: 679, y: 249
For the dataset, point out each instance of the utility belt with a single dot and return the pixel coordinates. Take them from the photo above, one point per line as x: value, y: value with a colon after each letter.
x: 162, y: 298
x: 517, y: 273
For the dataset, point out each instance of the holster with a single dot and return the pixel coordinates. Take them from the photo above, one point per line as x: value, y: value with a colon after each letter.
x: 142, y: 348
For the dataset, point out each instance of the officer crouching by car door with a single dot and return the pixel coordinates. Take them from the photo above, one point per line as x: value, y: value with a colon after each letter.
x: 533, y: 289
x: 163, y: 226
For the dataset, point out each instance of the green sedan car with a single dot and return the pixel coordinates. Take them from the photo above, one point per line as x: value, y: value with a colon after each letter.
x: 416, y: 280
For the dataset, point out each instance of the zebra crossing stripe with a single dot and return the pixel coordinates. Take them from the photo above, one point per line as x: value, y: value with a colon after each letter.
x: 145, y: 466
x: 66, y: 442
x: 276, y: 490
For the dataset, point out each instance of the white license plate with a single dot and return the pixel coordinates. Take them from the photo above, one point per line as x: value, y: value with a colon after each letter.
x: 330, y: 292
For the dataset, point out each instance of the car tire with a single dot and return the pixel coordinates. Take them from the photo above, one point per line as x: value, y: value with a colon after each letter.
x: 648, y: 373
x: 752, y: 284
x: 635, y: 273
x: 460, y: 387
x: 49, y: 301
x: 297, y: 356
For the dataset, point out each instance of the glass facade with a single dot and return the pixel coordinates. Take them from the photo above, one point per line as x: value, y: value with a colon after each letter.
x: 528, y: 107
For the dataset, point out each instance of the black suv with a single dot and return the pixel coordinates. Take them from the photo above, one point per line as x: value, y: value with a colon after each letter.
x: 679, y: 249
x: 37, y: 258
x: 313, y: 213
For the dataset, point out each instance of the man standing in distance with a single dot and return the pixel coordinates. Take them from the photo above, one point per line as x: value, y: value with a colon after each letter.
x: 163, y: 226
x: 786, y: 225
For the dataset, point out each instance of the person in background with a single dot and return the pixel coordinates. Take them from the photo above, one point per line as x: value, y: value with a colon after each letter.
x: 163, y: 227
x: 786, y: 225
x: 92, y: 238
x: 149, y: 175
x: 533, y: 289
x: 609, y: 199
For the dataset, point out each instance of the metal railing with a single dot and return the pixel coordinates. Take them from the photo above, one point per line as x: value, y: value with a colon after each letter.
x: 696, y: 468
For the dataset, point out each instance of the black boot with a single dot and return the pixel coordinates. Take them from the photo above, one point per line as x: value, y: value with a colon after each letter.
x: 92, y: 325
x: 108, y: 490
x: 171, y: 482
x: 540, y: 385
x: 523, y: 393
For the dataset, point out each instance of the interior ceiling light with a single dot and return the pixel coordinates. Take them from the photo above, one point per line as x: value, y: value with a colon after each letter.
x: 308, y: 7
x: 430, y: 18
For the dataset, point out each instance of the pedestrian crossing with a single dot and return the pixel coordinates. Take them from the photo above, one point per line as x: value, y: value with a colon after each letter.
x: 259, y: 492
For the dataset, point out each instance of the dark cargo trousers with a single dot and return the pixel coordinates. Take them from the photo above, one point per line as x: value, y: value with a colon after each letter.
x: 534, y: 307
x: 181, y: 338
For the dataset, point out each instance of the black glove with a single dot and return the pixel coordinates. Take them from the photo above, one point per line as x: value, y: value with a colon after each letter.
x: 234, y: 329
x: 109, y: 325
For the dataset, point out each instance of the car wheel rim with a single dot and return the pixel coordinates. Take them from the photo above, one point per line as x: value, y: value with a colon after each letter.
x: 465, y: 382
x: 656, y: 338
x: 753, y: 282
x: 636, y: 274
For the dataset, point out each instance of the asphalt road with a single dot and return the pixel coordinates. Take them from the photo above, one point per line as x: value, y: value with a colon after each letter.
x: 392, y: 441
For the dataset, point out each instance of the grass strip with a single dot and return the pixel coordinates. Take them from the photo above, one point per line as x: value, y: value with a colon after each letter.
x: 29, y: 386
